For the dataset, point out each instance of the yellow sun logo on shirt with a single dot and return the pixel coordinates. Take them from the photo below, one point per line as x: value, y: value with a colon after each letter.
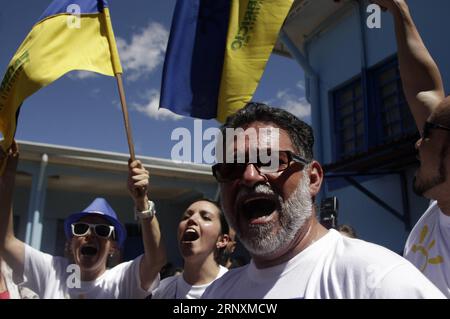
x: 425, y: 250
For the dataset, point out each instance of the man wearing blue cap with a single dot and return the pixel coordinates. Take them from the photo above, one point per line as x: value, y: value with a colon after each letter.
x: 93, y: 234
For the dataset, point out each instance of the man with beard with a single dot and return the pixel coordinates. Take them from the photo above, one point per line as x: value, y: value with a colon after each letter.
x: 428, y: 245
x: 270, y: 204
x: 93, y: 234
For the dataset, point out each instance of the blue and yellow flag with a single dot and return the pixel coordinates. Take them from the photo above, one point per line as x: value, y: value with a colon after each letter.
x: 70, y: 35
x: 217, y: 53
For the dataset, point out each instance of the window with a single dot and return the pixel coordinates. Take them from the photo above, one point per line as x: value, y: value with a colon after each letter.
x: 395, y: 119
x: 383, y: 119
x: 350, y: 126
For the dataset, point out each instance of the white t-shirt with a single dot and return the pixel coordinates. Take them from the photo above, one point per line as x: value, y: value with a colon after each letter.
x: 428, y: 247
x: 333, y: 267
x: 50, y: 277
x: 175, y: 287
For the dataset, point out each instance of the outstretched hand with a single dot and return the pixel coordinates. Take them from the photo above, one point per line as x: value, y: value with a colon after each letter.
x: 138, y: 181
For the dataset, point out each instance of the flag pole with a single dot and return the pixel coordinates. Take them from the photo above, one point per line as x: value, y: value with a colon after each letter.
x: 118, y: 73
x: 123, y: 102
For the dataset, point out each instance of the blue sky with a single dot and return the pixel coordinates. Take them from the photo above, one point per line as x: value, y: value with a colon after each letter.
x: 82, y: 109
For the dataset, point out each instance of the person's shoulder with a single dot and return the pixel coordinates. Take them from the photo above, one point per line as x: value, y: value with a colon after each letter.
x: 351, y: 252
x: 229, y: 274
x: 39, y: 258
x: 167, y: 282
x: 165, y: 286
x: 123, y: 266
x: 403, y: 281
x: 224, y: 283
x: 431, y: 212
x: 222, y: 271
x: 384, y: 272
x: 429, y: 218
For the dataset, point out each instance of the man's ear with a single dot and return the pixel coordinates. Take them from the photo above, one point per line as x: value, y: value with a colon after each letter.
x: 222, y: 241
x: 315, y: 178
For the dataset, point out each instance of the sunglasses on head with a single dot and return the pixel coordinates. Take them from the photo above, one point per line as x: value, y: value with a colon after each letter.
x: 100, y: 230
x: 428, y: 126
x: 227, y: 172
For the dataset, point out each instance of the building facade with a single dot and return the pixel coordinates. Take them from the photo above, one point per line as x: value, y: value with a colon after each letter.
x: 364, y: 131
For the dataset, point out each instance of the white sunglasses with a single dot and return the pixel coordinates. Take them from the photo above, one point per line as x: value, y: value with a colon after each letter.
x: 101, y: 230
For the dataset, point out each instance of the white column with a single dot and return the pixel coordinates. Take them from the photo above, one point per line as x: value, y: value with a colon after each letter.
x: 33, y: 235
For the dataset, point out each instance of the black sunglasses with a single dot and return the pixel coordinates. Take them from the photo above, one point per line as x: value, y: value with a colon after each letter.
x: 227, y: 172
x: 101, y: 230
x: 430, y: 126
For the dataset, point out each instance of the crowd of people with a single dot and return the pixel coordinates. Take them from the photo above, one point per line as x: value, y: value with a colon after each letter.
x: 271, y: 212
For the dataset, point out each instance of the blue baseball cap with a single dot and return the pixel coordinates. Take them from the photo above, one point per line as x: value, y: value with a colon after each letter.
x: 101, y: 208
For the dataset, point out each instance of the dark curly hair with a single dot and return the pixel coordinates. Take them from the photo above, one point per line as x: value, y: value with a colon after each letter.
x: 301, y: 133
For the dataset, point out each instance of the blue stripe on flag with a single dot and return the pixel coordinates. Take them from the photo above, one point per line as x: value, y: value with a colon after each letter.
x: 61, y: 6
x: 194, y: 58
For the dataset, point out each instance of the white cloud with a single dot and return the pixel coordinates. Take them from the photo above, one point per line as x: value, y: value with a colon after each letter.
x: 150, y: 107
x: 95, y: 92
x: 81, y: 75
x: 301, y: 86
x: 145, y: 51
x: 295, y: 103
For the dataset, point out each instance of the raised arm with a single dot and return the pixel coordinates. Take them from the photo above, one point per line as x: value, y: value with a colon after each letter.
x: 422, y: 82
x: 154, y: 250
x: 12, y: 250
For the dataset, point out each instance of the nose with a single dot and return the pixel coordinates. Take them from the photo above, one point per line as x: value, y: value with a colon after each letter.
x: 252, y: 176
x: 192, y: 220
x: 90, y: 232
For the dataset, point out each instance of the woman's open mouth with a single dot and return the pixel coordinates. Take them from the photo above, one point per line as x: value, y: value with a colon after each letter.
x: 88, y: 250
x: 190, y: 235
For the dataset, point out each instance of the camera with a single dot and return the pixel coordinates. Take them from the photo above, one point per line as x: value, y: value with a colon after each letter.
x: 329, y: 212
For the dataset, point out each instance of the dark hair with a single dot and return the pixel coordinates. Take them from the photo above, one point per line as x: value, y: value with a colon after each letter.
x: 301, y: 133
x: 224, y: 228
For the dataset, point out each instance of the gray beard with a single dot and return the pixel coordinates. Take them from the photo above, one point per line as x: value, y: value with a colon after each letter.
x: 262, y: 240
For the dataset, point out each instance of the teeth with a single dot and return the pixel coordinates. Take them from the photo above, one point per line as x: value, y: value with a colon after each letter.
x: 190, y: 234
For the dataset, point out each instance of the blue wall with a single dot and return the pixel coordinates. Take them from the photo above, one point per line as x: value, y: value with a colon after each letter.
x: 336, y: 55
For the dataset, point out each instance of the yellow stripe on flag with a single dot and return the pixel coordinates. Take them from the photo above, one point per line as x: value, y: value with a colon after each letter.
x: 50, y: 50
x: 252, y: 33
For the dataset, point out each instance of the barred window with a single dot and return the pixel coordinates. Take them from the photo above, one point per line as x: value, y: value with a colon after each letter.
x: 385, y: 118
x: 395, y: 120
x: 349, y: 110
